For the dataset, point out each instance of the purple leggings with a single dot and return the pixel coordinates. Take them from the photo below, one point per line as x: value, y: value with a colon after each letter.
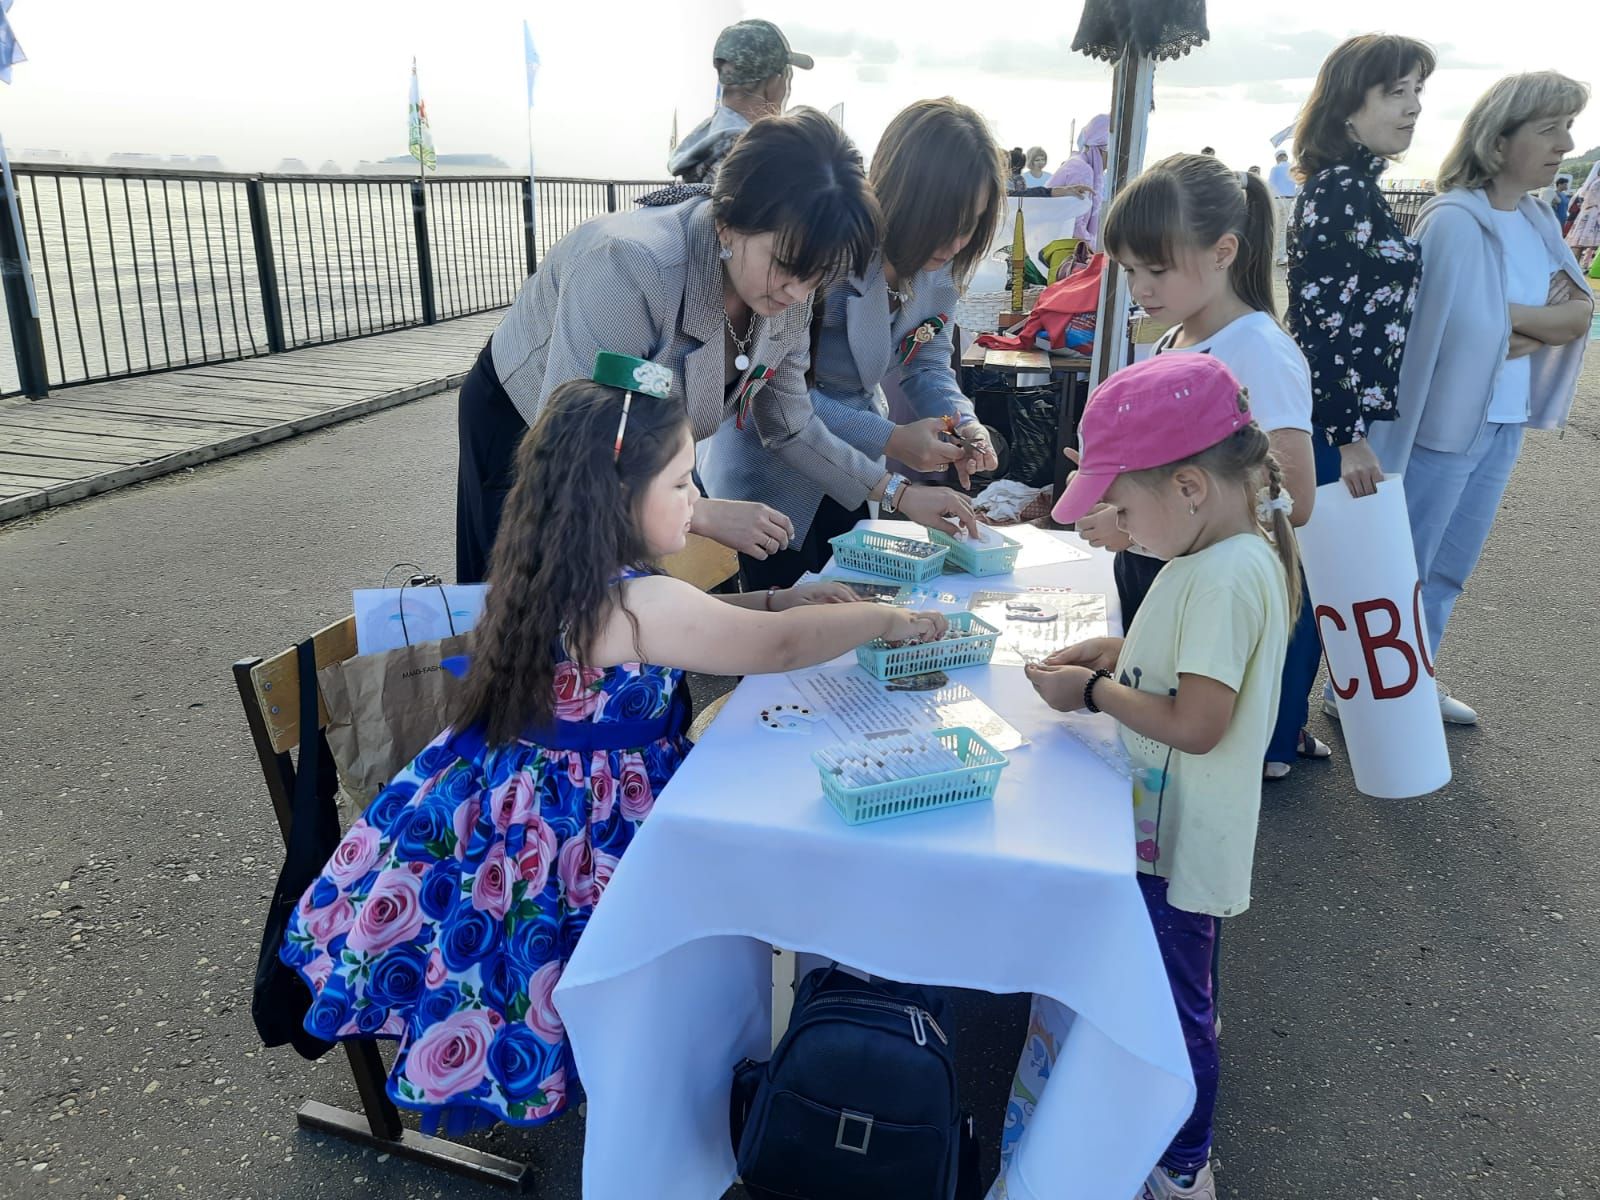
x: 1187, y: 940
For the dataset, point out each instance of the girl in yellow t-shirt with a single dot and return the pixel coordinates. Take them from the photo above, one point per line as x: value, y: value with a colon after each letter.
x: 1171, y: 445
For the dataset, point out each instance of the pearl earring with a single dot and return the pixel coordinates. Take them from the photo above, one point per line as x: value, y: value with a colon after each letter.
x: 724, y: 253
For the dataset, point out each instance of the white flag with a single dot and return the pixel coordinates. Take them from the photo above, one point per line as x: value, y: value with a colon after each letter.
x: 530, y: 58
x: 1281, y: 136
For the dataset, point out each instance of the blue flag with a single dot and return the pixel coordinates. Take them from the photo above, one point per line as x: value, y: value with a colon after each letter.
x: 10, y: 52
x: 531, y: 57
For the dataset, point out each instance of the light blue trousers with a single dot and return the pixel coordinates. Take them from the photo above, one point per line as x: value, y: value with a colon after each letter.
x: 1452, y: 500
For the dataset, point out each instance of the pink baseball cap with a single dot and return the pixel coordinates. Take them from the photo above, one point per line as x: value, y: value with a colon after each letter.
x: 1159, y: 411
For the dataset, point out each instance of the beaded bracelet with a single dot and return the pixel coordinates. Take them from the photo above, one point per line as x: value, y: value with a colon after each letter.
x: 1088, y: 689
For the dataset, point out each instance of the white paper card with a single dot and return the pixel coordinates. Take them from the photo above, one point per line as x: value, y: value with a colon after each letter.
x: 388, y: 620
x: 1041, y: 547
x: 856, y: 705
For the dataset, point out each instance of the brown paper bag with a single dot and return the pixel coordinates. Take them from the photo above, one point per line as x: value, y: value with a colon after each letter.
x: 384, y: 708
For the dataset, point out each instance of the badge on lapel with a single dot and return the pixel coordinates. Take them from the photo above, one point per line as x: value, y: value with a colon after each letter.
x: 921, y: 336
x: 747, y: 393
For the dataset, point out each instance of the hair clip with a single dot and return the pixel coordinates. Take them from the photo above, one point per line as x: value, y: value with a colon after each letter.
x: 631, y: 375
x: 1267, y: 504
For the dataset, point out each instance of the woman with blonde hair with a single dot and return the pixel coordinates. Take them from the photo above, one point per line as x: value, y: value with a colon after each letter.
x: 1036, y: 175
x: 1497, y: 338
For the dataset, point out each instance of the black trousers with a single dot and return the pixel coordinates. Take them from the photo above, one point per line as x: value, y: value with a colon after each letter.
x: 786, y: 566
x: 490, y: 429
x: 1135, y: 573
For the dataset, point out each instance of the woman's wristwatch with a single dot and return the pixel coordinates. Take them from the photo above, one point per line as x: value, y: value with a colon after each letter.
x: 893, y: 491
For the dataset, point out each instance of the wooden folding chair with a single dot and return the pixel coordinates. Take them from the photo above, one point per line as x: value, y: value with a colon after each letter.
x: 708, y: 566
x: 270, y: 691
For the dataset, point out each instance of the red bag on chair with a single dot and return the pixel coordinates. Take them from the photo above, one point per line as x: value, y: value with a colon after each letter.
x: 1065, y: 310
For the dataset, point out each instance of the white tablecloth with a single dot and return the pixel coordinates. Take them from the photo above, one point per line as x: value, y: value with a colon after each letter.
x: 671, y: 983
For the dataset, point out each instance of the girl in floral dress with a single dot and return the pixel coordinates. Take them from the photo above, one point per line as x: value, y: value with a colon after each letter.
x: 447, y: 913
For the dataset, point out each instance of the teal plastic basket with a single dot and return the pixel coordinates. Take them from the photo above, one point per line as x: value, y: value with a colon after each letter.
x: 904, y: 559
x: 978, y: 560
x: 973, y: 648
x: 976, y: 779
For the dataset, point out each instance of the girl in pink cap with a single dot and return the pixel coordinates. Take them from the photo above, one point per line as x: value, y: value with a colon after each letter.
x: 1171, y: 444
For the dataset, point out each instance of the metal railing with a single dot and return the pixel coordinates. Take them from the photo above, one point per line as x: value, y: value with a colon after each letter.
x: 343, y: 256
x: 1406, y: 204
x: 135, y: 272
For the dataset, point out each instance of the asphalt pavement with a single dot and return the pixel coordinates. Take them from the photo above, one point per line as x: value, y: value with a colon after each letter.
x: 1411, y: 1004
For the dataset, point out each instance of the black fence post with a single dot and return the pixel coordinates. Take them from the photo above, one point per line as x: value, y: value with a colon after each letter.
x: 419, y: 217
x: 266, y: 265
x: 528, y: 224
x: 611, y: 197
x: 27, y: 342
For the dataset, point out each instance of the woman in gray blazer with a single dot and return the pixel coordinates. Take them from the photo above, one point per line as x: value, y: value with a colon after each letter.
x: 716, y: 289
x: 936, y: 175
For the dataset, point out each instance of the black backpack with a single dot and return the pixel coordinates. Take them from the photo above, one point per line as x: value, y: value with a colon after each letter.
x: 858, y: 1101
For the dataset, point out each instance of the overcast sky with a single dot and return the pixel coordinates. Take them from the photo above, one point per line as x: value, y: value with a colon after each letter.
x: 255, y: 83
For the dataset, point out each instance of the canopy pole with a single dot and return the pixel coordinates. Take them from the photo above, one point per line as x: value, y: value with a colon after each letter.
x: 1132, y: 87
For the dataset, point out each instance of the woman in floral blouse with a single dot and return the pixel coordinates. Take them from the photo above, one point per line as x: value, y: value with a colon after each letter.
x: 1353, y: 273
x: 1353, y: 278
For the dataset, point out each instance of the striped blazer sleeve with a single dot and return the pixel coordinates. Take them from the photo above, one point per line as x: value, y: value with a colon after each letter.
x: 928, y: 381
x: 866, y: 429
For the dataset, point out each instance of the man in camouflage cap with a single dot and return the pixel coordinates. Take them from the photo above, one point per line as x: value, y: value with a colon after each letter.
x: 754, y: 65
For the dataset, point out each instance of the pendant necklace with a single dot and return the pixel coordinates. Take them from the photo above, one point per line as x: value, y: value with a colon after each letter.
x: 901, y: 296
x: 741, y: 361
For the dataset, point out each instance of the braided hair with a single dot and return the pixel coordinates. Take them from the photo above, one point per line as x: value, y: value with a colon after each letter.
x: 1244, y: 459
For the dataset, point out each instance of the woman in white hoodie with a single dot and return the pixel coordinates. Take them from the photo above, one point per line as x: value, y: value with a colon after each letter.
x: 1497, y: 338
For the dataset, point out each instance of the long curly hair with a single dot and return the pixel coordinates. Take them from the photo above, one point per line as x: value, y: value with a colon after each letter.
x: 570, y: 524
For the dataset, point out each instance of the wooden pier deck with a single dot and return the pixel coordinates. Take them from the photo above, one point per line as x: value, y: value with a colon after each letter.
x: 83, y: 440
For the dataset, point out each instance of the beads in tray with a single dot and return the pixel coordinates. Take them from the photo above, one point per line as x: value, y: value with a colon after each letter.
x: 887, y: 760
x: 912, y: 549
x: 907, y: 560
x: 953, y: 633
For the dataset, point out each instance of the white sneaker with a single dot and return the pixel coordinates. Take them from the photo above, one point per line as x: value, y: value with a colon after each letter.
x: 1454, y: 711
x: 1161, y: 1186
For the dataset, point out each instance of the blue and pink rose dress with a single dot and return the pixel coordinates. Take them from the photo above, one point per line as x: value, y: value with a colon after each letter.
x: 448, y: 912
